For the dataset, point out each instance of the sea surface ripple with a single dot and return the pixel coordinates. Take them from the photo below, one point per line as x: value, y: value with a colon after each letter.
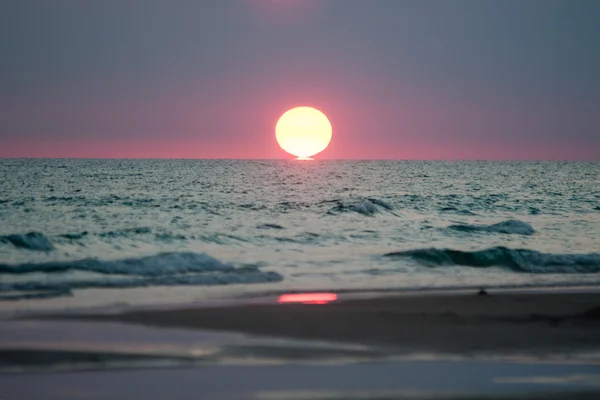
x: 193, y: 229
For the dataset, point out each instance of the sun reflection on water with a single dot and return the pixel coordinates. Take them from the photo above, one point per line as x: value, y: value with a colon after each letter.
x: 307, y: 298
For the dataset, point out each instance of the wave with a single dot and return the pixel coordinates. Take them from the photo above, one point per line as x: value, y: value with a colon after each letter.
x: 126, y: 232
x: 368, y: 207
x: 101, y: 201
x: 270, y: 226
x: 129, y: 232
x: 30, y: 241
x: 518, y: 260
x: 169, y: 236
x: 381, y: 203
x: 221, y: 238
x: 512, y: 226
x: 164, y: 269
x: 39, y: 242
x: 74, y: 236
x: 33, y: 295
x: 156, y: 265
x: 63, y: 199
x: 455, y: 210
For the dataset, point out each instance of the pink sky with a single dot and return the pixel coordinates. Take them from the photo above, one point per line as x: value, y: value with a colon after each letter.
x: 397, y: 79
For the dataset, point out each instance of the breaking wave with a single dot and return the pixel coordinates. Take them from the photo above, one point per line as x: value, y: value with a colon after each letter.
x: 368, y: 207
x: 30, y: 241
x: 512, y: 226
x: 156, y: 265
x: 164, y: 269
x: 518, y: 260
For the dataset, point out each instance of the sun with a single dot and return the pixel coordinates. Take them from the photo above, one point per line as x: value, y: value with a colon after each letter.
x: 303, y: 131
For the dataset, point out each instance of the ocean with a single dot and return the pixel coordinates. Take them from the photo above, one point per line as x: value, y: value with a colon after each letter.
x: 95, y: 233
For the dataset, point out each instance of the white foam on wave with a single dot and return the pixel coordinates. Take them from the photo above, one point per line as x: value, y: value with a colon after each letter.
x: 164, y: 269
x: 156, y: 265
x: 368, y: 207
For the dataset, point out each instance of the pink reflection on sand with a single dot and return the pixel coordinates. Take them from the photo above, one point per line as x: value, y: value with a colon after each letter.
x: 307, y: 298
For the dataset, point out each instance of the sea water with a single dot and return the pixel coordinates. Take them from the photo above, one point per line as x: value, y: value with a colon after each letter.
x: 98, y: 232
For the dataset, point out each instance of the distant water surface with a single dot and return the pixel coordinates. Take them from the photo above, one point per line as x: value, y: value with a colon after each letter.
x: 94, y: 232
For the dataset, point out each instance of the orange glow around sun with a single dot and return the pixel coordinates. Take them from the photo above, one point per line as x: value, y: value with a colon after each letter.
x: 303, y: 131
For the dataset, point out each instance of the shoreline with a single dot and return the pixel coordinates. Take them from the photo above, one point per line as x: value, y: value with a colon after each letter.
x: 529, y: 323
x: 270, y: 297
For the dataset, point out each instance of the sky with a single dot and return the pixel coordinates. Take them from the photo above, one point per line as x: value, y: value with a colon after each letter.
x: 398, y: 79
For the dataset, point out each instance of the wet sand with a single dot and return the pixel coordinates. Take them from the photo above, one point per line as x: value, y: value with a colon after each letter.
x: 540, y: 345
x: 535, y: 324
x: 362, y: 381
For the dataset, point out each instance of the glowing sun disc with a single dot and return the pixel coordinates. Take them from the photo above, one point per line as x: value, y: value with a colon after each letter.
x: 303, y: 131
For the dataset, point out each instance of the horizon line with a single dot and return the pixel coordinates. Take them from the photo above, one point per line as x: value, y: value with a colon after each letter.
x: 316, y: 159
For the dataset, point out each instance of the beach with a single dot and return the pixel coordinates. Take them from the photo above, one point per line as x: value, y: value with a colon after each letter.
x: 535, y: 324
x: 499, y: 344
x: 120, y: 280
